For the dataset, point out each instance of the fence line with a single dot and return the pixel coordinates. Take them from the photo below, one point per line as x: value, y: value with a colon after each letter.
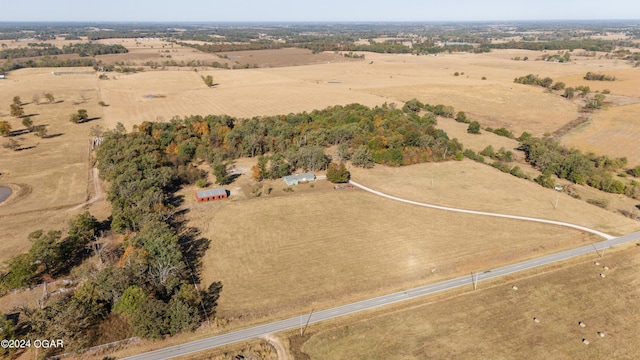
x: 73, y: 72
x: 93, y: 348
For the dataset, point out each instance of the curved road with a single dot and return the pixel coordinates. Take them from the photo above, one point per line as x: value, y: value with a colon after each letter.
x: 296, y: 322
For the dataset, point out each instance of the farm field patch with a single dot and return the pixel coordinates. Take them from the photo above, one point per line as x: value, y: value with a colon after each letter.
x: 498, y: 322
x: 322, y: 248
x: 161, y: 95
x: 613, y: 131
x: 475, y: 186
x: 50, y: 175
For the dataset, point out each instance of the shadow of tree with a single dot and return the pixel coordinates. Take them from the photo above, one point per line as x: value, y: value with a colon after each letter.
x: 210, y: 298
x: 193, y: 248
x: 19, y: 132
x: 50, y: 136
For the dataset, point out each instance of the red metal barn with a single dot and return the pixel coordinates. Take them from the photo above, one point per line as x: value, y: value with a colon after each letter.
x: 211, y: 194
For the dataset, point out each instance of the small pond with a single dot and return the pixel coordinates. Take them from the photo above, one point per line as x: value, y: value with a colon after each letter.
x: 5, y: 192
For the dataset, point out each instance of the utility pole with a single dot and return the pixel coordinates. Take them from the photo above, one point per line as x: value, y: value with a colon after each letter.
x: 307, y: 324
x: 557, y: 189
x: 474, y: 281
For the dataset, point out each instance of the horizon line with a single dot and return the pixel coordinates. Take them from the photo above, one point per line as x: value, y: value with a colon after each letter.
x: 305, y: 21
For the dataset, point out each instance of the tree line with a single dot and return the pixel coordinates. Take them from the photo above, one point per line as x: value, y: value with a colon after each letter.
x: 44, y: 49
x: 571, y: 44
x: 46, y: 61
x: 383, y: 135
x: 147, y: 282
x: 548, y: 156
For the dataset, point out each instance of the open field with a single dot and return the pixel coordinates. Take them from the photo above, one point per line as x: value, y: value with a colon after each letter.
x: 358, y: 217
x: 475, y: 186
x: 497, y: 322
x: 56, y: 172
x: 321, y: 248
x: 495, y: 102
x: 627, y: 80
x: 240, y: 93
x: 50, y: 174
x: 613, y: 131
x: 288, y: 253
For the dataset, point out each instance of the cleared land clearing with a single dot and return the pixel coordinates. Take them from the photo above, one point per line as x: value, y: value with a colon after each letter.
x: 496, y: 102
x: 475, y: 186
x: 477, y: 142
x: 142, y: 50
x: 282, y: 256
x: 240, y: 93
x: 627, y: 80
x: 497, y: 322
x: 613, y: 131
x: 53, y: 171
x: 283, y: 57
x: 21, y: 43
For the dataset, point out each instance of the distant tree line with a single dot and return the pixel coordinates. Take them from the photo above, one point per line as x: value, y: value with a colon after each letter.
x: 46, y: 61
x: 570, y: 44
x: 227, y: 47
x: 44, y: 49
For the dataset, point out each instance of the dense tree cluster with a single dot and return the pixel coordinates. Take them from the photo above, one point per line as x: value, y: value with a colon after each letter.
x: 534, y: 80
x: 297, y: 141
x: 337, y: 174
x: 5, y: 128
x: 50, y: 254
x: 550, y: 157
x: 148, y: 282
x: 153, y: 268
x: 598, y: 77
x: 79, y: 117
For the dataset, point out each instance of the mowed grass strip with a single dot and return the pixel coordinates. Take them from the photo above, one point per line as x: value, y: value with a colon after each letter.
x: 497, y: 322
x: 282, y: 256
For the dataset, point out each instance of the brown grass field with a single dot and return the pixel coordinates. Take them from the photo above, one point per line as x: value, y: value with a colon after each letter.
x: 496, y: 322
x: 613, y: 131
x: 307, y: 239
x: 475, y: 186
x: 51, y: 174
x: 284, y: 254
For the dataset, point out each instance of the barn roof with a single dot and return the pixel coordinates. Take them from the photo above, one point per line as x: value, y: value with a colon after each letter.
x: 211, y: 192
x: 299, y: 177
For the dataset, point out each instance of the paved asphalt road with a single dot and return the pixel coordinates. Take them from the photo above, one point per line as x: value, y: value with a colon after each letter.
x: 297, y: 322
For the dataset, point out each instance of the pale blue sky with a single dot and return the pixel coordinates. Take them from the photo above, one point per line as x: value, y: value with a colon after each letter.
x: 320, y: 10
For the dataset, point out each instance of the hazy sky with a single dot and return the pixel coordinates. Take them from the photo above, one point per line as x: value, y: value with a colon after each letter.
x: 319, y: 10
